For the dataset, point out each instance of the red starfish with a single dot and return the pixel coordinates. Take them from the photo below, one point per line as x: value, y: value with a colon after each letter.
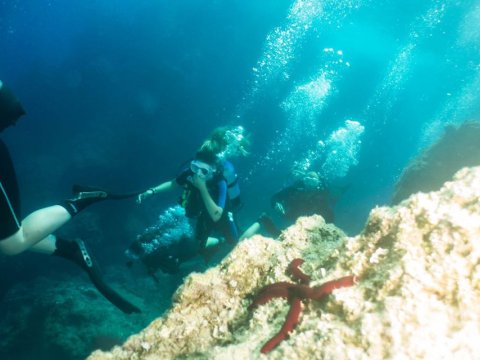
x: 295, y: 293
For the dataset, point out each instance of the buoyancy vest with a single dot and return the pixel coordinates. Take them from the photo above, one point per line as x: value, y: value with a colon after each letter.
x: 231, y: 177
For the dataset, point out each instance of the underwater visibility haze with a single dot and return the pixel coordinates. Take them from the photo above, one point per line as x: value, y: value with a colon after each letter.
x: 121, y: 94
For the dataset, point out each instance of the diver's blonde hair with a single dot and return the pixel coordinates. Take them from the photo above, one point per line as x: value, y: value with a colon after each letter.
x: 218, y: 142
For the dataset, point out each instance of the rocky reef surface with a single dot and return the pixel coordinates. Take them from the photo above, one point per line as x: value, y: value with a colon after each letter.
x: 417, y: 292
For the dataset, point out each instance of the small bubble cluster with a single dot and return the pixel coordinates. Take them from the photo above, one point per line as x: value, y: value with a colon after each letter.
x: 171, y: 227
x: 307, y: 101
x: 333, y: 158
x: 342, y: 149
x: 281, y: 42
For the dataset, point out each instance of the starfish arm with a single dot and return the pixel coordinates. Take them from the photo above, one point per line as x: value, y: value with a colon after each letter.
x: 269, y: 292
x: 298, y: 274
x: 301, y: 291
x: 318, y: 292
x: 290, y: 324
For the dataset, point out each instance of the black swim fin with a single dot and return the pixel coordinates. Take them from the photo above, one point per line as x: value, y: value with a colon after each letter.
x: 82, y: 199
x: 77, y: 252
x: 84, y: 191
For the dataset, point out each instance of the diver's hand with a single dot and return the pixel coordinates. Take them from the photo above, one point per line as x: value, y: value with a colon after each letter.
x: 141, y: 197
x: 199, y: 182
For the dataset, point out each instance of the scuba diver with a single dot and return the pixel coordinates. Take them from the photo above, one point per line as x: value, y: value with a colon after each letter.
x: 211, y: 196
x: 204, y: 198
x: 229, y: 142
x: 306, y: 196
x: 34, y: 232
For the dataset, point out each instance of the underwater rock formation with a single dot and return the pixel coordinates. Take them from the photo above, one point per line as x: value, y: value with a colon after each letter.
x: 417, y: 295
x: 457, y: 148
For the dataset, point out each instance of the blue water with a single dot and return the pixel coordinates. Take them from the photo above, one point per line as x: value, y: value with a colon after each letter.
x: 120, y: 94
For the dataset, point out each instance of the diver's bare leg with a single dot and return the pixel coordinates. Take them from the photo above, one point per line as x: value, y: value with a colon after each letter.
x: 211, y: 242
x: 35, y: 227
x: 45, y: 246
x: 252, y: 230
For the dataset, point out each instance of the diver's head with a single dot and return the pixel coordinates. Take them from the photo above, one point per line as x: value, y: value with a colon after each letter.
x: 10, y: 108
x: 205, y: 164
x: 312, y: 180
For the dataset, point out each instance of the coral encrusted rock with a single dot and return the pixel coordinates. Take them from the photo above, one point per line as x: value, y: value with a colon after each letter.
x: 417, y: 296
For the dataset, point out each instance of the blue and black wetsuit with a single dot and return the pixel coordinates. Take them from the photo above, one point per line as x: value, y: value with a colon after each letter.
x: 191, y: 200
x: 9, y: 195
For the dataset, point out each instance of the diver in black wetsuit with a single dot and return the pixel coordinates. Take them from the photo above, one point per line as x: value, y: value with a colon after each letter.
x: 305, y: 197
x: 35, y: 231
x: 204, y: 199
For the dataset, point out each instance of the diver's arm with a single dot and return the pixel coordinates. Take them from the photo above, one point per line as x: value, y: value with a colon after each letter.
x: 213, y: 209
x: 167, y: 185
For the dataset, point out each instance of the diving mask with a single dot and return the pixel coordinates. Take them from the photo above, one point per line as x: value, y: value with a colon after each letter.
x: 202, y: 169
x: 312, y: 181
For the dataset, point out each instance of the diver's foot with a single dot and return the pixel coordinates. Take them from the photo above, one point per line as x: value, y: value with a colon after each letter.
x: 93, y: 192
x: 88, y: 192
x: 83, y: 197
x: 268, y: 224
